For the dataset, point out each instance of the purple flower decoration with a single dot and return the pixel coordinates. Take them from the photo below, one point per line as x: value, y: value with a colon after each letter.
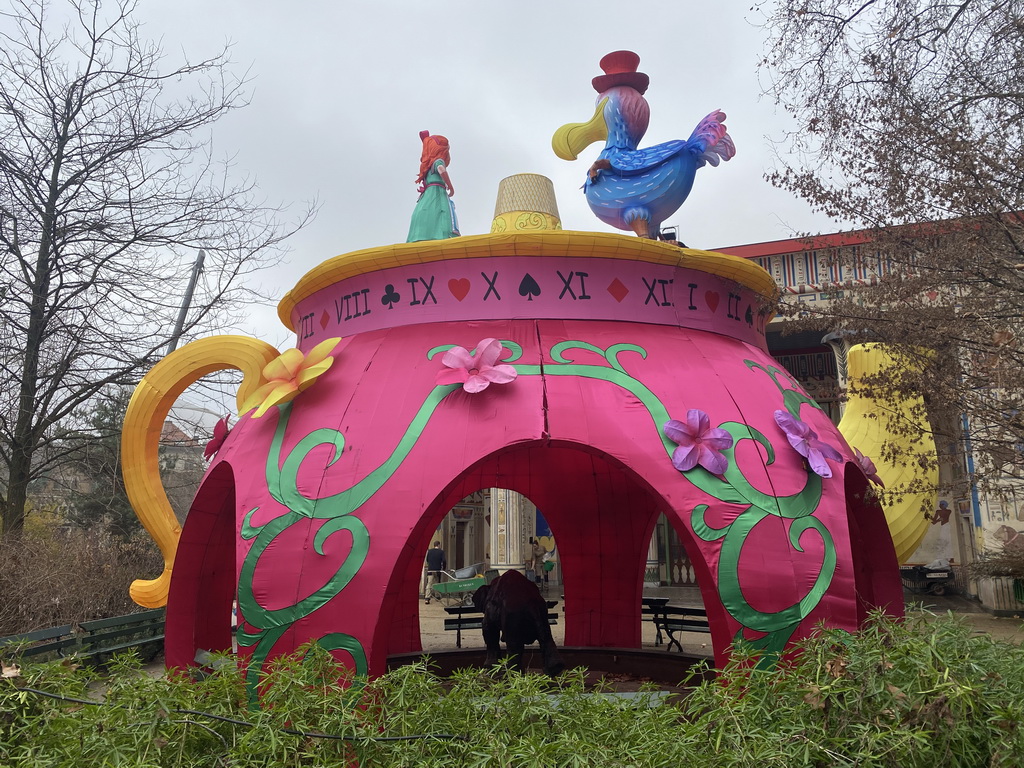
x: 805, y: 441
x: 698, y: 443
x: 868, y: 466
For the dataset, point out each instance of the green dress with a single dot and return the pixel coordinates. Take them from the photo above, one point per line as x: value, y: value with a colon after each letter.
x: 434, y: 215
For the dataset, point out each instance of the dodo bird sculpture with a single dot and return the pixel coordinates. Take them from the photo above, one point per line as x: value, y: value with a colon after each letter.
x: 630, y: 188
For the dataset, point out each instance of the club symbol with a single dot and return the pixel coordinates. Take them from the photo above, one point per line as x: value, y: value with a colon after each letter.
x: 390, y: 297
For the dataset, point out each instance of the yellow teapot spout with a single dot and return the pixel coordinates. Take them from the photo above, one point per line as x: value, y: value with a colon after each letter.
x: 871, y: 426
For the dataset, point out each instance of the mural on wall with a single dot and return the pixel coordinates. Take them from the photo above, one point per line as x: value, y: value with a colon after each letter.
x: 543, y: 533
x: 1008, y: 538
x: 938, y: 540
x: 941, y: 515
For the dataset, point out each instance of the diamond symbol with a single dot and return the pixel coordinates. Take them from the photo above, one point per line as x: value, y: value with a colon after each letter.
x: 324, y: 319
x: 618, y: 290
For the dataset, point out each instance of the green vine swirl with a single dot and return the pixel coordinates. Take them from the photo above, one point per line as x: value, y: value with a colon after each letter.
x: 777, y: 626
x: 263, y: 627
x: 732, y: 487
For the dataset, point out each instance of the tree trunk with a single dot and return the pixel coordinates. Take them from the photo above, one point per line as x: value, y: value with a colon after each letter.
x: 17, y: 497
x: 24, y: 440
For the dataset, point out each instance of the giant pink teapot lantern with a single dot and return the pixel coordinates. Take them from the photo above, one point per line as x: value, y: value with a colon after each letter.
x: 607, y: 378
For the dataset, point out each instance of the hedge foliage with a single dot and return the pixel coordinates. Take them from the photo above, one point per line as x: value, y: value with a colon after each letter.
x: 922, y: 692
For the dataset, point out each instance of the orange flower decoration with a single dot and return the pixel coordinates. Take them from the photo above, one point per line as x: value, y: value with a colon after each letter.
x: 287, y: 375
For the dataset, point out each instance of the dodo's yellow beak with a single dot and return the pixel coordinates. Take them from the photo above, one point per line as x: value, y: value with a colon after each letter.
x: 573, y: 138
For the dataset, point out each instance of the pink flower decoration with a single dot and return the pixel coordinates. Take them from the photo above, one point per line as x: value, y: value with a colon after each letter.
x: 698, y: 443
x: 476, y: 371
x: 868, y: 466
x: 805, y: 441
x: 220, y: 434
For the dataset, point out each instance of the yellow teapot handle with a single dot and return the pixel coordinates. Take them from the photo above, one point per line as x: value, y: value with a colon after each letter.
x: 140, y: 437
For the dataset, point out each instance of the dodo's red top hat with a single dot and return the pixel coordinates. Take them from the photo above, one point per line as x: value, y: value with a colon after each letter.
x: 620, y: 69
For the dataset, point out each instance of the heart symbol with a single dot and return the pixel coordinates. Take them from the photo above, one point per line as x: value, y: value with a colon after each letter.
x: 932, y: 295
x: 711, y: 297
x: 459, y: 288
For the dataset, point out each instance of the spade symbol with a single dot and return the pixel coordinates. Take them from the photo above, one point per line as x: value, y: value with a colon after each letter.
x: 749, y: 316
x: 390, y: 296
x: 528, y: 287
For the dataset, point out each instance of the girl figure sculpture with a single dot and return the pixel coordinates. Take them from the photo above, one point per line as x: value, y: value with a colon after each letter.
x: 434, y: 215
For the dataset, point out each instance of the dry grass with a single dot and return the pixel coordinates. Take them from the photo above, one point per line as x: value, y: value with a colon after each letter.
x: 66, y: 576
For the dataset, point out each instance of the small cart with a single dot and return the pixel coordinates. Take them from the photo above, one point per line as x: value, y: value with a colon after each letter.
x: 920, y: 578
x: 460, y: 586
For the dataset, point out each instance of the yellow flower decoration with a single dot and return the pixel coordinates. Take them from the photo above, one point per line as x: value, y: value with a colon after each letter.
x: 288, y: 374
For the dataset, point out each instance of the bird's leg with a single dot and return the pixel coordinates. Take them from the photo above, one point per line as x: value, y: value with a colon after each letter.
x: 640, y: 228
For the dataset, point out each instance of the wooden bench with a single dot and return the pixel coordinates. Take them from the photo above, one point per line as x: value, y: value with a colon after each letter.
x: 467, y: 617
x: 669, y: 619
x: 93, y: 639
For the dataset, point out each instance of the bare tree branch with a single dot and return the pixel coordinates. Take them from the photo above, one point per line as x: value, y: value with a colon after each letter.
x: 910, y: 126
x: 108, y: 188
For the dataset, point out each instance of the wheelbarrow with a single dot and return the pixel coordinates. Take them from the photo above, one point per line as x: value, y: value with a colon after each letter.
x: 461, y: 585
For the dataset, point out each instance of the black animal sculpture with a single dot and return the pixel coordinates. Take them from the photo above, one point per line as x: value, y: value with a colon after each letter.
x: 515, y: 612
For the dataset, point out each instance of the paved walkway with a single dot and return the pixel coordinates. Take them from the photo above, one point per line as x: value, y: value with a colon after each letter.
x: 1010, y: 629
x: 435, y: 638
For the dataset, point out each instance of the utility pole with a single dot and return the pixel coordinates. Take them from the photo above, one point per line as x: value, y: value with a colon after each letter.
x: 186, y: 301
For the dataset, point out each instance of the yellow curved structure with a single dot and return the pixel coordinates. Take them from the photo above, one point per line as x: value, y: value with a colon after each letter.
x: 140, y: 438
x: 869, y: 425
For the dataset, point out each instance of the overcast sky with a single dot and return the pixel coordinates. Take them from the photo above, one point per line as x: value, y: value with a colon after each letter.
x: 340, y: 91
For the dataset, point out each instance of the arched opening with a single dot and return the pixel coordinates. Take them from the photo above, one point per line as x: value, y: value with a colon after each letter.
x: 671, y: 575
x: 488, y: 532
x: 602, y: 515
x: 203, y: 582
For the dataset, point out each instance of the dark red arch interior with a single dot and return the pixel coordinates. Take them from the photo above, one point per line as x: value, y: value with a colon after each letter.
x: 876, y: 559
x: 204, y: 581
x: 604, y: 514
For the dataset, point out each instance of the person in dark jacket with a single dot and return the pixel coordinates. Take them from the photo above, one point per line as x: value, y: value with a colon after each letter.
x: 434, y: 565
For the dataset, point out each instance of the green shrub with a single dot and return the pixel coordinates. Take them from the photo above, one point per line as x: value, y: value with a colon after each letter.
x: 902, y: 694
x: 918, y: 693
